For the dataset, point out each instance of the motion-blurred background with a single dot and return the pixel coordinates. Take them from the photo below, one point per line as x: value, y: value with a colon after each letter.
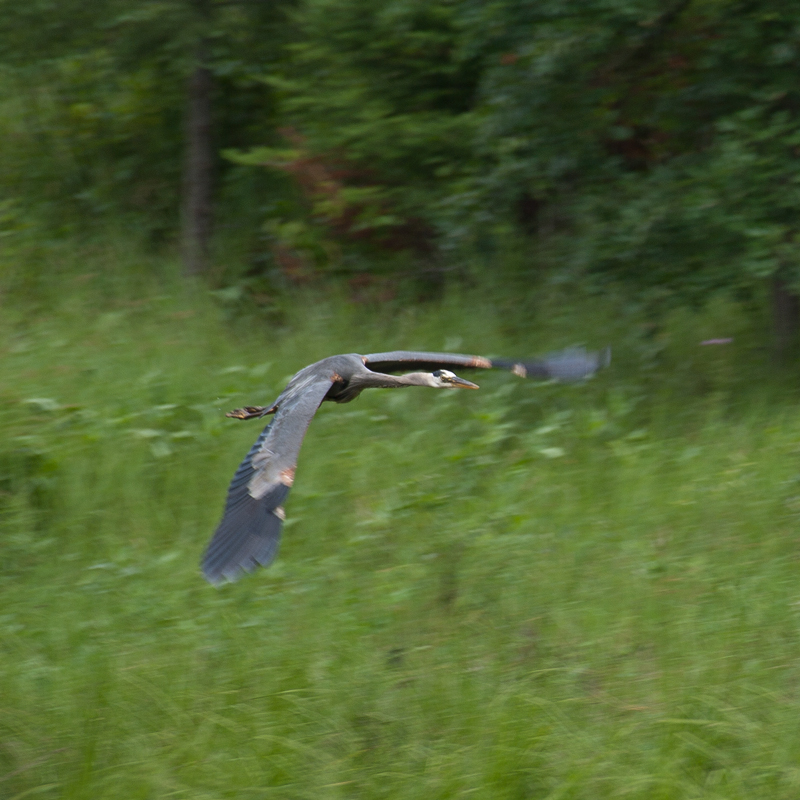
x: 532, y: 591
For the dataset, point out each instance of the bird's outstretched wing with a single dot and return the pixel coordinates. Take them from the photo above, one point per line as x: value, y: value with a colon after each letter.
x: 573, y: 364
x: 250, y: 530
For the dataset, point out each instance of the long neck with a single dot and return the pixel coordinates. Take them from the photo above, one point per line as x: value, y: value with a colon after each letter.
x: 379, y: 380
x: 417, y: 379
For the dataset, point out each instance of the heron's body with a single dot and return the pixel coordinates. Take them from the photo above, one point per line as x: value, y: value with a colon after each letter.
x: 249, y: 532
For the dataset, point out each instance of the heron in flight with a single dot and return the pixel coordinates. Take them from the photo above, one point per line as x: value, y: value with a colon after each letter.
x: 249, y: 532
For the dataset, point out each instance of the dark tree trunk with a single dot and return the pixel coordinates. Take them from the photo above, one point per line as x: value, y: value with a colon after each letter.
x: 785, y: 316
x: 196, y: 216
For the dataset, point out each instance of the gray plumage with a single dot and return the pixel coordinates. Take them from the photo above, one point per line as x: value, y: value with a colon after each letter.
x: 249, y: 533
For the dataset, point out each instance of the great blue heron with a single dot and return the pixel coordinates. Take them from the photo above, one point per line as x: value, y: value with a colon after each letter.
x: 250, y: 529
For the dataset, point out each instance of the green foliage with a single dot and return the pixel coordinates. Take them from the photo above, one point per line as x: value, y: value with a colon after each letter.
x: 651, y: 143
x: 725, y: 221
x: 379, y: 99
x: 530, y: 590
x: 93, y: 115
x: 388, y: 87
x: 665, y: 138
x: 89, y: 140
x: 636, y: 140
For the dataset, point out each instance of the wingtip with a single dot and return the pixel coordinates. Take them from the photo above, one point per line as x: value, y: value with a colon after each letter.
x: 216, y: 581
x: 229, y: 575
x: 262, y: 554
x: 215, y: 576
x: 247, y: 537
x: 576, y: 364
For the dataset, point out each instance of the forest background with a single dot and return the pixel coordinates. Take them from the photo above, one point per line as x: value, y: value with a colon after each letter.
x: 645, y: 142
x: 541, y: 592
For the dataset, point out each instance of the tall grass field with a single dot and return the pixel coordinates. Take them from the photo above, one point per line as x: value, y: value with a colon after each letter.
x: 531, y: 592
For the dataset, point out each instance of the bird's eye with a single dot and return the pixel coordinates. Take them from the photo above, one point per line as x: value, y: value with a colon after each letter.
x: 437, y: 373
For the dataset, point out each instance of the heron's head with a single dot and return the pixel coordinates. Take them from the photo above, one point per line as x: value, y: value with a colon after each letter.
x: 444, y: 379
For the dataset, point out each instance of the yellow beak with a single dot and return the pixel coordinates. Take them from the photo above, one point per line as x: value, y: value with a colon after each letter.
x: 460, y: 383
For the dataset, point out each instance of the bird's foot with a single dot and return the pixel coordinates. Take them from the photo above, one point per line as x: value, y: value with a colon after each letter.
x: 249, y: 412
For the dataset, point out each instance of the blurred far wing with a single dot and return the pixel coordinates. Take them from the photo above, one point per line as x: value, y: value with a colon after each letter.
x: 250, y: 530
x: 573, y: 364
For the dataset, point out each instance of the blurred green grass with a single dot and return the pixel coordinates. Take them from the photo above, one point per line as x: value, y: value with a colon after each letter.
x: 532, y: 591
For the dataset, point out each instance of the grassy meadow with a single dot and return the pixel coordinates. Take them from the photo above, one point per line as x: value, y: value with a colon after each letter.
x: 531, y: 591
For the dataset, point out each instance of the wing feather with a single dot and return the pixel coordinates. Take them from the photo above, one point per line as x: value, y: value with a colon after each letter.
x: 402, y: 360
x: 572, y: 364
x: 249, y: 532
